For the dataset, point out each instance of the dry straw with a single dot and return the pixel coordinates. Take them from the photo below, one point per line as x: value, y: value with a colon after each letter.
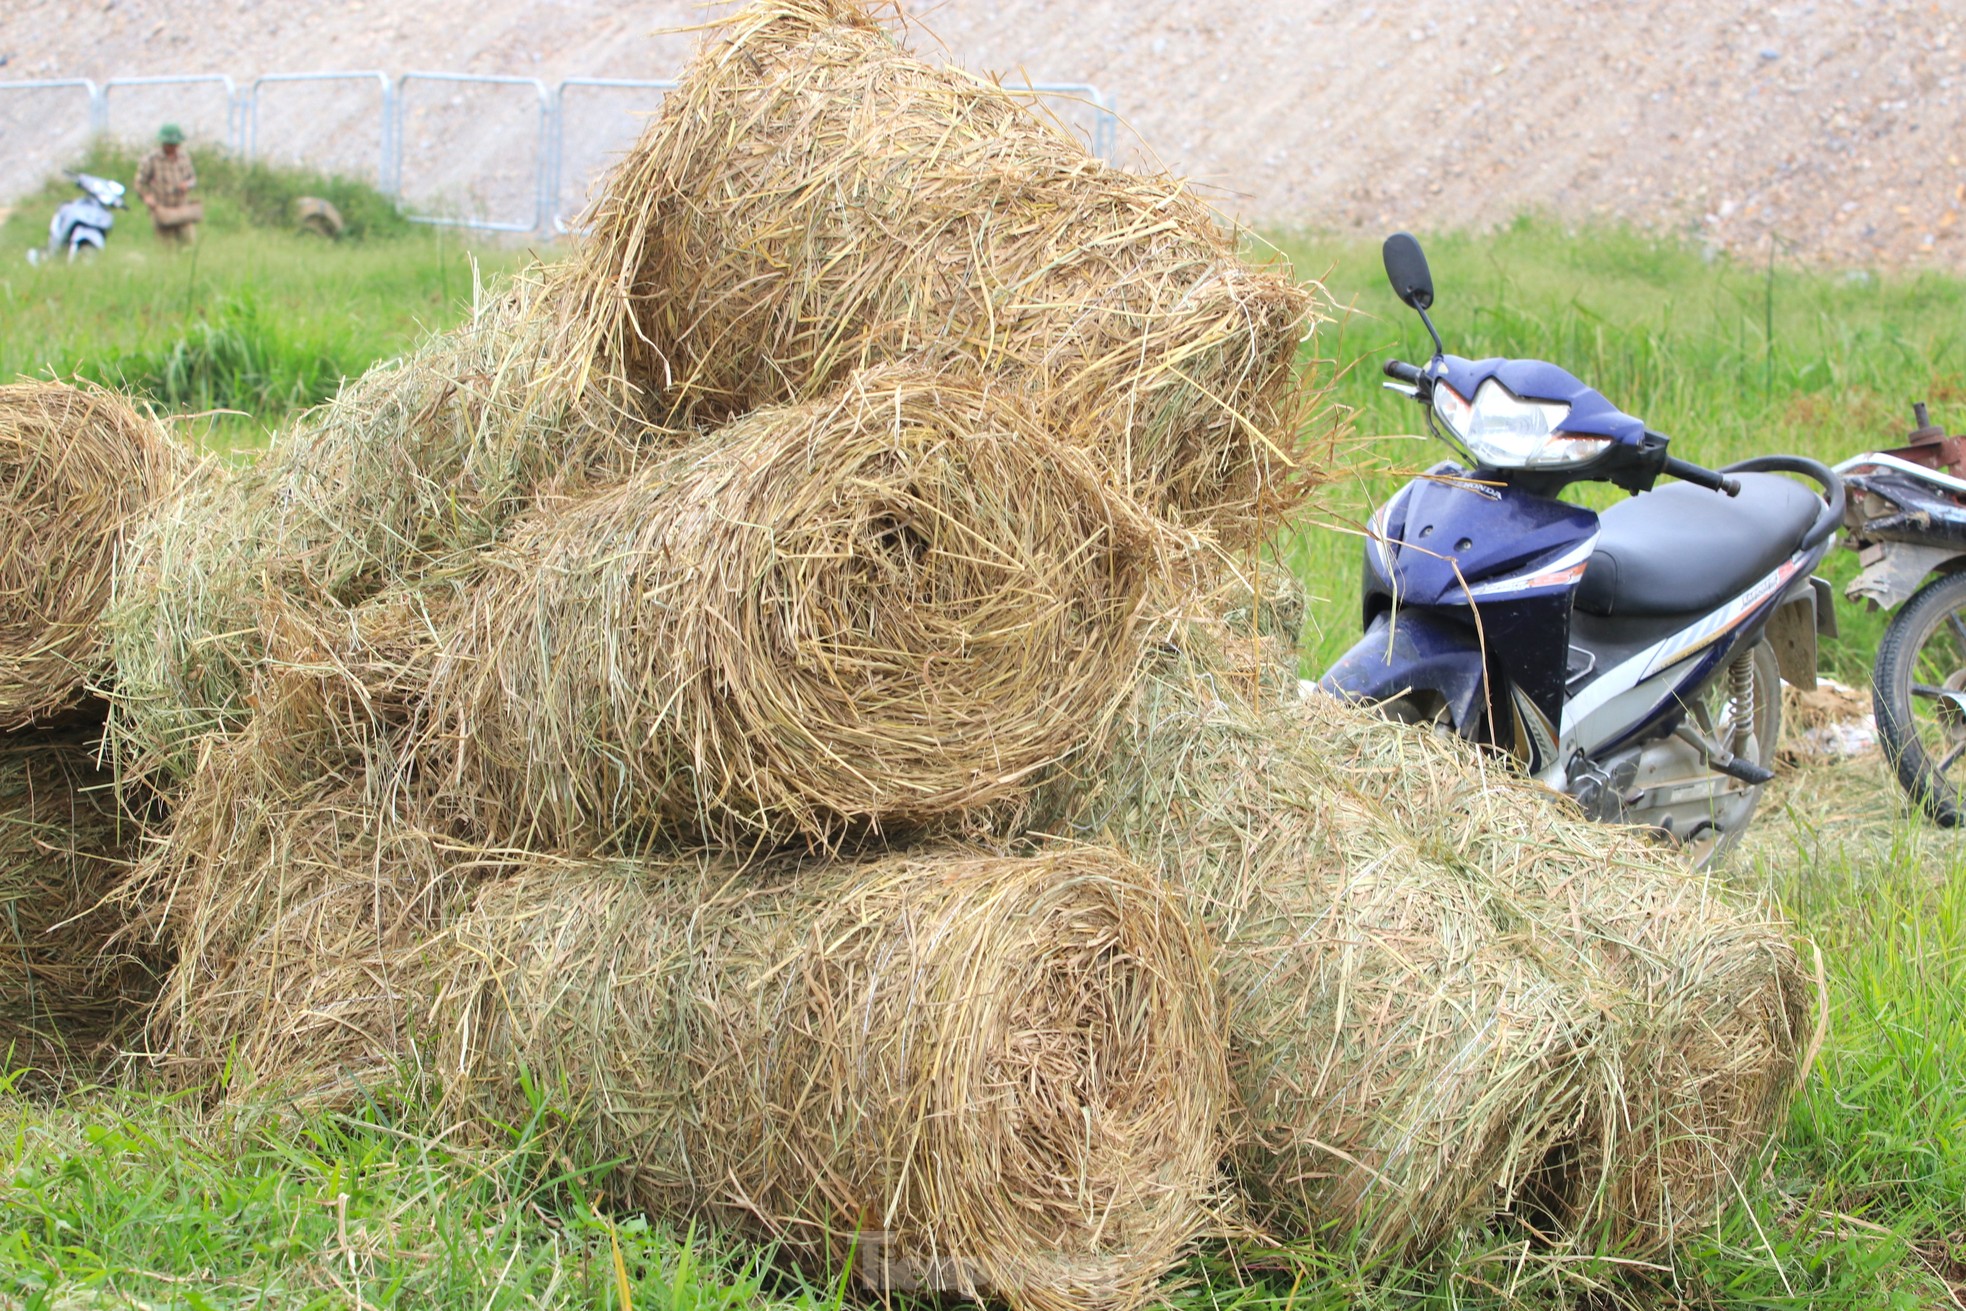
x: 1708, y: 1009
x: 296, y: 891
x: 1403, y: 1058
x: 65, y: 993
x: 982, y: 1075
x: 417, y: 464
x: 812, y: 199
x: 888, y: 608
x: 77, y: 465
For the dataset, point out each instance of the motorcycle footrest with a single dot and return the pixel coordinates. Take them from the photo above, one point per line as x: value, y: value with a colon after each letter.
x: 1745, y: 770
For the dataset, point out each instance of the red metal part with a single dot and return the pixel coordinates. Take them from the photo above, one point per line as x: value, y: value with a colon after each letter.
x: 1931, y: 447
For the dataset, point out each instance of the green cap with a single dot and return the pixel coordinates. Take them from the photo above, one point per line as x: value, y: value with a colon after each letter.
x: 171, y: 134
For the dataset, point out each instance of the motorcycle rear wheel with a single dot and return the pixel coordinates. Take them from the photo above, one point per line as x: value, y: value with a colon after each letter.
x: 1923, y: 731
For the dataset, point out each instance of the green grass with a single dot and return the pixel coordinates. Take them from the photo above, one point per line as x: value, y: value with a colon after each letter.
x: 122, y: 1201
x: 113, y: 1197
x: 256, y: 319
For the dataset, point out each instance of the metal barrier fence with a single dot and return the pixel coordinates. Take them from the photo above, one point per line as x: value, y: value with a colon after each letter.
x: 385, y: 171
x: 234, y: 106
x: 559, y: 150
x: 548, y: 116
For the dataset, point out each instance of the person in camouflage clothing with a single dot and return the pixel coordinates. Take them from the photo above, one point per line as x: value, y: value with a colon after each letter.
x: 165, y: 179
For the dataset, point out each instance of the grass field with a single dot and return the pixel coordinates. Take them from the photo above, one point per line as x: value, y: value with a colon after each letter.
x: 255, y: 323
x: 114, y: 1198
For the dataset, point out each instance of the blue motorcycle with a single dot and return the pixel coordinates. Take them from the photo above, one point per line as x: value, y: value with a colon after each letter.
x: 1631, y: 659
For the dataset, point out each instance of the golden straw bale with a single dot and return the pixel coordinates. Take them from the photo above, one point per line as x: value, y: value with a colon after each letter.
x: 887, y: 608
x: 813, y: 199
x: 77, y: 465
x: 67, y: 990
x: 984, y: 1075
x: 296, y: 891
x: 413, y: 467
x: 1709, y: 1010
x: 1404, y: 1059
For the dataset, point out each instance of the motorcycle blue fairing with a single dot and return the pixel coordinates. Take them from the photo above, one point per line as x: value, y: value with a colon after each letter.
x: 1428, y: 626
x: 1446, y: 534
x: 1413, y: 650
x: 1537, y: 380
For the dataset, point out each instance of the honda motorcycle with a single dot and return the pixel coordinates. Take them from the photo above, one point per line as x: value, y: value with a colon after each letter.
x: 1907, y: 520
x: 81, y: 226
x: 1630, y: 659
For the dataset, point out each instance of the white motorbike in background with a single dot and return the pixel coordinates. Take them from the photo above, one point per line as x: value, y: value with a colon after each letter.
x: 81, y: 227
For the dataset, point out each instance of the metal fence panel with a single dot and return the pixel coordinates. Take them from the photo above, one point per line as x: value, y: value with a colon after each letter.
x: 319, y: 146
x: 45, y: 124
x: 520, y: 188
x: 599, y: 124
x: 196, y: 118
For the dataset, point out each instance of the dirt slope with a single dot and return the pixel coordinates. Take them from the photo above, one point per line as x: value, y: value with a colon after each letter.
x: 1839, y: 125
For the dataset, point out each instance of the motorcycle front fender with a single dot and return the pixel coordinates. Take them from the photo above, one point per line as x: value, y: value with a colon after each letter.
x: 1413, y: 651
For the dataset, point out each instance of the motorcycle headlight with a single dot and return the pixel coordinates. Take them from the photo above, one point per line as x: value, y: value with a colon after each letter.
x: 1503, y: 431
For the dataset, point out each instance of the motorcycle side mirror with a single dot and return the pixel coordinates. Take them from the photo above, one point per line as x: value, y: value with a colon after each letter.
x: 1406, y: 269
x: 1413, y: 281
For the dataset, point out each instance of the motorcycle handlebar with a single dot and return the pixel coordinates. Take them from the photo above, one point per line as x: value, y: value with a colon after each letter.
x: 1404, y: 372
x: 1699, y: 476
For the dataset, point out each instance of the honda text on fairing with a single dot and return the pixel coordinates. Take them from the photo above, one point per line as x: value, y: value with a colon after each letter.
x: 1630, y: 659
x: 81, y: 226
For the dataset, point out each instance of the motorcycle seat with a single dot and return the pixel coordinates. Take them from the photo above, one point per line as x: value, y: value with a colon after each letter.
x: 1681, y: 550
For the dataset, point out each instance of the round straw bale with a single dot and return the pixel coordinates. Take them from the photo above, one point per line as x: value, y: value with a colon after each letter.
x: 1403, y: 1059
x: 1708, y: 1010
x: 888, y: 608
x: 77, y: 465
x: 982, y: 1075
x: 813, y: 199
x: 66, y: 993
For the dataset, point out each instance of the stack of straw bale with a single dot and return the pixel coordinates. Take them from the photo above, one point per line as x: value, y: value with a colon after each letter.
x: 68, y: 988
x: 77, y: 466
x: 807, y: 799
x: 813, y: 198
